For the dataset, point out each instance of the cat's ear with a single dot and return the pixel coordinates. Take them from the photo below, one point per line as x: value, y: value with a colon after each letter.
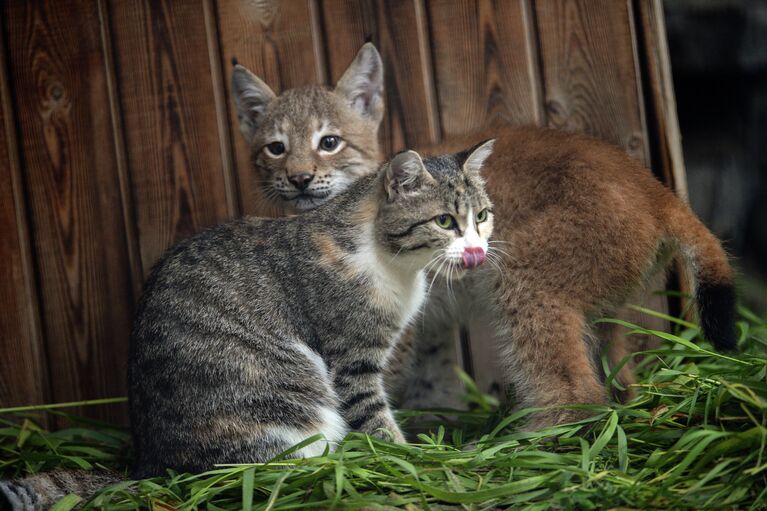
x: 252, y: 96
x: 476, y: 156
x: 362, y: 83
x: 405, y: 173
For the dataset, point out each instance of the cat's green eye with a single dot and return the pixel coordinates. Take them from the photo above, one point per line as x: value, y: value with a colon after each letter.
x: 482, y: 216
x: 445, y: 221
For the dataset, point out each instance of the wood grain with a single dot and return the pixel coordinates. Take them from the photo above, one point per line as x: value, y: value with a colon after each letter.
x: 23, y: 371
x: 399, y: 29
x: 590, y: 77
x: 485, y: 63
x: 177, y: 175
x: 666, y: 146
x: 73, y: 193
x: 279, y: 42
x: 121, y: 153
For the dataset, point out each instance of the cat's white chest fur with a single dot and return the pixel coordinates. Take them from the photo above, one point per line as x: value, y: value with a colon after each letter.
x: 399, y: 290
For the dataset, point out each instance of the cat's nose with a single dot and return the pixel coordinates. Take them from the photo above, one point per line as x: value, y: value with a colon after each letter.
x: 473, y: 257
x: 301, y: 181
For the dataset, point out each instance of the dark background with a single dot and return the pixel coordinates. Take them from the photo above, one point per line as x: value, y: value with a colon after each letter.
x: 718, y: 51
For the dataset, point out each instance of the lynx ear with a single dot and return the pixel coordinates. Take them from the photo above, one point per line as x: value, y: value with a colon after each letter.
x: 252, y: 96
x: 477, y: 156
x: 405, y: 173
x: 362, y: 83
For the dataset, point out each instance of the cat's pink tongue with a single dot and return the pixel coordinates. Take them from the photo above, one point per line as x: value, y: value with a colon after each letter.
x: 473, y: 257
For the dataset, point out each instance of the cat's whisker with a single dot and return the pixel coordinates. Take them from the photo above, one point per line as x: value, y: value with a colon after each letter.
x: 492, y: 256
x: 436, y: 273
x: 398, y: 252
x: 495, y: 251
x: 442, y: 256
x: 449, y: 281
x: 495, y: 265
x: 434, y: 260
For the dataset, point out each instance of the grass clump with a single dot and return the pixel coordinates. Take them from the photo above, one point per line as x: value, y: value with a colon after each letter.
x: 693, y: 438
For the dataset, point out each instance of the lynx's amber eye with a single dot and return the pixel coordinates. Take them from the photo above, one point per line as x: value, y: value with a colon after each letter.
x: 445, y: 221
x: 329, y: 143
x: 482, y: 216
x: 275, y: 149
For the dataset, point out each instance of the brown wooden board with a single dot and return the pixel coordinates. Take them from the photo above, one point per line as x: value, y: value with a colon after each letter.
x: 485, y: 63
x: 400, y: 31
x: 177, y: 175
x: 589, y: 66
x: 56, y: 63
x: 23, y: 371
x: 278, y: 41
x: 667, y: 157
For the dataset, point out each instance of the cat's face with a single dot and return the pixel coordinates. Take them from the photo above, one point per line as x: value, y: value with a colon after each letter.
x: 438, y: 215
x: 309, y: 144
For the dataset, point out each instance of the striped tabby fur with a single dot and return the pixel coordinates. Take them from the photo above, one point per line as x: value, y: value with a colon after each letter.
x: 260, y: 333
x: 257, y: 334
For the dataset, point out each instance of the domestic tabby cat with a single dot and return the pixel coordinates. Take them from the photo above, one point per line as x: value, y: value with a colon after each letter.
x: 307, y: 144
x: 584, y: 228
x: 259, y: 333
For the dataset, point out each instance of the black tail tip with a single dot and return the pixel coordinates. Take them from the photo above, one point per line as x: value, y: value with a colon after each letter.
x: 234, y: 61
x: 716, y: 307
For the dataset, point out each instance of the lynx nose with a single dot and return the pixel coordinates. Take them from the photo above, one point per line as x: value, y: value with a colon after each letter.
x: 473, y: 257
x: 301, y: 181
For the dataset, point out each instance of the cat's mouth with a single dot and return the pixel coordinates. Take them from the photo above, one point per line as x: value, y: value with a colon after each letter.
x: 306, y: 200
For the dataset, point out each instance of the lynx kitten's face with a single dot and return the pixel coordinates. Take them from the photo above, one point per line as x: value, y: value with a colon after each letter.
x: 311, y: 146
x: 308, y: 144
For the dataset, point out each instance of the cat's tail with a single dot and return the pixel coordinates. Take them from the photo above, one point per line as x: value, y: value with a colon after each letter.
x: 42, y: 491
x: 714, y: 286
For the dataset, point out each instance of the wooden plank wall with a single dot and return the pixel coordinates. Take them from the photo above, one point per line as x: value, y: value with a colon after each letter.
x: 119, y: 138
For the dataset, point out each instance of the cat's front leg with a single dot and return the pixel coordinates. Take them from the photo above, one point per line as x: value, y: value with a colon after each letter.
x: 364, y: 405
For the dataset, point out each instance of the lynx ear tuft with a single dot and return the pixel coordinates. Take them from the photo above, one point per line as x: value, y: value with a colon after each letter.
x: 405, y: 173
x: 252, y: 96
x: 362, y: 83
x: 477, y: 155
